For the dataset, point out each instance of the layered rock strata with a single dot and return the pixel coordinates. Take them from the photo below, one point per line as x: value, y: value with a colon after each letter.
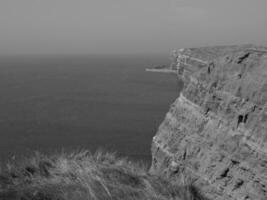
x: 215, y: 133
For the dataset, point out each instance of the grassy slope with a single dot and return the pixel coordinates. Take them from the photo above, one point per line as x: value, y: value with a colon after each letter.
x: 83, y: 175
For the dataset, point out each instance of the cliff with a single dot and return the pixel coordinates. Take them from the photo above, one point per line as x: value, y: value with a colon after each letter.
x: 215, y: 133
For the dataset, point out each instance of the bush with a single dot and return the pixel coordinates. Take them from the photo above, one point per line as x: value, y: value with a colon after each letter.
x: 84, y: 176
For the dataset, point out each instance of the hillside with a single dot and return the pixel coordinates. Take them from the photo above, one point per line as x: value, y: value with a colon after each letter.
x: 86, y: 176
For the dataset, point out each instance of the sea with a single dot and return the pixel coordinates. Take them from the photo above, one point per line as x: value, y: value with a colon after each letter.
x: 66, y: 103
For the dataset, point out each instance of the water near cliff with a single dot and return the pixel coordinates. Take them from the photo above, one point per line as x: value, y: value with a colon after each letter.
x: 50, y: 103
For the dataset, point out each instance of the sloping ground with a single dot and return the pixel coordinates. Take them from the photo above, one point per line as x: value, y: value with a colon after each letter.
x: 83, y: 176
x: 216, y: 131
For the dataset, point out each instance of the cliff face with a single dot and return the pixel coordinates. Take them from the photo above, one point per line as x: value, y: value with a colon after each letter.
x: 216, y: 131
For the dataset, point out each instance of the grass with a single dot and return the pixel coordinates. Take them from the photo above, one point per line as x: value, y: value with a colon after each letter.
x: 85, y: 176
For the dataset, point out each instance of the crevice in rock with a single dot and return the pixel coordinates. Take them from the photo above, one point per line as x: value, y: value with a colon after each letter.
x: 242, y: 58
x: 238, y: 184
x: 245, y: 118
x: 235, y: 162
x: 225, y: 172
x: 240, y: 119
x: 184, y: 156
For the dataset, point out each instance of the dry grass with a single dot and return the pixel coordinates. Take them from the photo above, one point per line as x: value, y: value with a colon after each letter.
x: 85, y: 176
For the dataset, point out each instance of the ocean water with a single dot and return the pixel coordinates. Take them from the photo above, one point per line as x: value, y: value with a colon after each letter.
x: 55, y: 103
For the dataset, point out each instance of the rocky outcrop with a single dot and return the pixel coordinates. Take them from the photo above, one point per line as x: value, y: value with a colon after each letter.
x: 215, y: 133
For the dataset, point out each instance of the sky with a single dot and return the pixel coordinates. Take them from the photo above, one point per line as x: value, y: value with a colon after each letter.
x: 128, y: 26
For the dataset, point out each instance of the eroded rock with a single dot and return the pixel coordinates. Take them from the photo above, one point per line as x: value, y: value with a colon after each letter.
x: 216, y: 131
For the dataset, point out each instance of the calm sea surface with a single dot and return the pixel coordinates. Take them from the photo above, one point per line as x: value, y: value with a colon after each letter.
x: 52, y: 103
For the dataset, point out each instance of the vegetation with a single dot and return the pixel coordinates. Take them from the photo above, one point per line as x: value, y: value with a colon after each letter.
x: 85, y: 176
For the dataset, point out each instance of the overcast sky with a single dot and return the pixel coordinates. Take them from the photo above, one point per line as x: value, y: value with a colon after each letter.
x: 127, y: 26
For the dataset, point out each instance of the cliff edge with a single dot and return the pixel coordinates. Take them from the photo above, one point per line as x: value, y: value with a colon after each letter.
x: 215, y: 133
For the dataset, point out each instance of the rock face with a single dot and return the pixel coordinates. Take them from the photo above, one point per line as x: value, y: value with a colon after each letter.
x: 216, y: 131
